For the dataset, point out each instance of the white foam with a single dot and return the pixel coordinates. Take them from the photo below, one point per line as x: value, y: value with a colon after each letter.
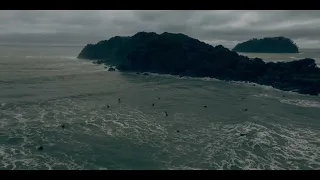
x: 296, y: 102
x: 223, y: 148
x: 301, y: 103
x: 184, y: 77
x: 209, y: 141
x: 183, y: 167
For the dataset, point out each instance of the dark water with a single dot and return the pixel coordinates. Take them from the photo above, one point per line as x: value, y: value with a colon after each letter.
x: 42, y: 88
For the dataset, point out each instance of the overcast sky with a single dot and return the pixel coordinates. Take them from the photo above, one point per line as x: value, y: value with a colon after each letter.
x: 214, y: 27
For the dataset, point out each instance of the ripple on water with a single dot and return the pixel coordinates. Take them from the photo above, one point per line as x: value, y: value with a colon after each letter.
x: 202, y: 143
x: 292, y: 101
x: 267, y: 146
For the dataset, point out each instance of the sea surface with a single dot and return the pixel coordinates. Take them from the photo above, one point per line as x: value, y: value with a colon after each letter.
x: 42, y: 88
x: 304, y: 53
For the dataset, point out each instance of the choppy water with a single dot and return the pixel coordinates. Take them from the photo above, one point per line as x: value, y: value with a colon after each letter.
x: 42, y: 88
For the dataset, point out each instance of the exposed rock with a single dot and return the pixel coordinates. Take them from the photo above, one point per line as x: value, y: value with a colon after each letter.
x: 268, y: 45
x: 178, y: 54
x: 111, y: 69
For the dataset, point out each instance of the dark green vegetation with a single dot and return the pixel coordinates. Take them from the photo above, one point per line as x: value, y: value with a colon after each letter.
x: 178, y: 54
x: 268, y: 45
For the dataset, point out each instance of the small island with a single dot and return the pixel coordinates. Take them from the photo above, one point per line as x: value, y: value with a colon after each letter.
x: 267, y: 45
x: 178, y: 54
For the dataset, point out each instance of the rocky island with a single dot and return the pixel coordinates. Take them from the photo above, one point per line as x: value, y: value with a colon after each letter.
x: 268, y: 45
x: 178, y: 54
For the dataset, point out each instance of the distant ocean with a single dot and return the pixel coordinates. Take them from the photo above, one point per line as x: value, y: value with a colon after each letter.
x: 304, y: 53
x: 42, y: 88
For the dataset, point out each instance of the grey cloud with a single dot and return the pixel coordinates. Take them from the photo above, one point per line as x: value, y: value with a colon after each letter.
x: 214, y: 27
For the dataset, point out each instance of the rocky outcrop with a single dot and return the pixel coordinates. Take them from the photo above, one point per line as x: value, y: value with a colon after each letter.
x: 111, y: 69
x: 178, y: 54
x: 268, y: 45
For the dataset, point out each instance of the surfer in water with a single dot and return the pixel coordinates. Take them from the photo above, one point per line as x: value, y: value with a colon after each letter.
x: 243, y: 134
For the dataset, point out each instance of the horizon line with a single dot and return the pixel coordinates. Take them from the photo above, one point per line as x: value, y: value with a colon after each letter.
x: 78, y: 45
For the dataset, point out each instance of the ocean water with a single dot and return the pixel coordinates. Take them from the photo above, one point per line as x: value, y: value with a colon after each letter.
x: 42, y: 88
x: 304, y: 53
